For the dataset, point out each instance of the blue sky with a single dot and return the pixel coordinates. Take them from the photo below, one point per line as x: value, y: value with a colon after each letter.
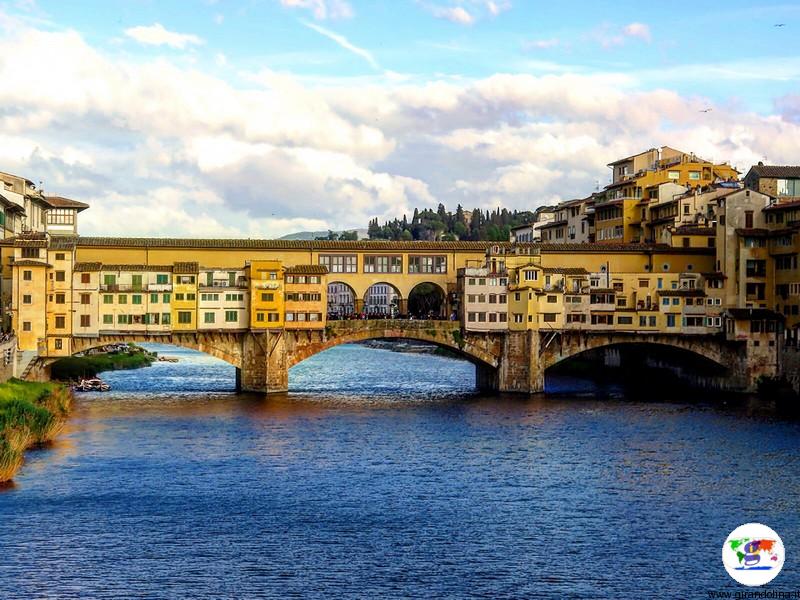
x: 252, y: 117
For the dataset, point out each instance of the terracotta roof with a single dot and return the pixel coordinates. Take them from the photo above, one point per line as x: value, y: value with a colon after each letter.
x: 681, y: 292
x: 560, y: 223
x: 566, y: 270
x: 30, y: 263
x: 61, y: 202
x: 754, y: 313
x: 260, y: 244
x: 30, y: 243
x: 753, y: 231
x: 307, y: 270
x: 693, y: 230
x: 778, y: 171
x: 186, y: 267
x: 151, y: 268
x: 783, y: 205
x: 87, y: 266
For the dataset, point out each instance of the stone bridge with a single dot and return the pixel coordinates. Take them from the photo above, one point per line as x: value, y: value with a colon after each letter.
x: 511, y: 361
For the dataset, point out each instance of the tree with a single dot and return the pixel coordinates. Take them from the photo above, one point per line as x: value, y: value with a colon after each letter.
x: 406, y: 236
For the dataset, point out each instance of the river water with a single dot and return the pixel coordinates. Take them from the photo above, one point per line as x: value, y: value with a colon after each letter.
x: 381, y: 475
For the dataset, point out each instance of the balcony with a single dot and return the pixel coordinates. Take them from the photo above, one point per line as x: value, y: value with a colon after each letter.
x: 266, y: 285
x: 159, y: 287
x: 121, y: 287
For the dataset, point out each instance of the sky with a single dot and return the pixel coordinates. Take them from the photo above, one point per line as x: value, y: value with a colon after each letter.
x: 259, y: 118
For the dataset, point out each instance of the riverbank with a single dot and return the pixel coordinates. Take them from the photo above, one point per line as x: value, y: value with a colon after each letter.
x: 88, y: 366
x: 31, y: 414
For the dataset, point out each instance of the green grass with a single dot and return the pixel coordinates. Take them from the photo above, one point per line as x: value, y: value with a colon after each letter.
x: 77, y: 367
x: 31, y: 413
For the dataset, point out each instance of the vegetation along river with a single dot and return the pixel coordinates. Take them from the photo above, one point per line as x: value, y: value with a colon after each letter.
x: 382, y: 475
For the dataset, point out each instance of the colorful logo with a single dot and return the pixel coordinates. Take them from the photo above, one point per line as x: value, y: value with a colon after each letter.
x: 753, y: 554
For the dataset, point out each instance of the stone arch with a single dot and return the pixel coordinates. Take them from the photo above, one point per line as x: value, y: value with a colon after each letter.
x: 572, y: 345
x: 224, y: 346
x: 382, y: 299
x: 483, y: 351
x: 426, y: 297
x: 342, y: 300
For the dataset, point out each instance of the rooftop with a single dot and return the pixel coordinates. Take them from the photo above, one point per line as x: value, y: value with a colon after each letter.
x: 61, y: 202
x: 306, y: 270
x: 778, y: 171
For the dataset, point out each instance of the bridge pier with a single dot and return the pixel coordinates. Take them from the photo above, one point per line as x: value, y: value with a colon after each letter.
x: 264, y: 363
x: 521, y: 369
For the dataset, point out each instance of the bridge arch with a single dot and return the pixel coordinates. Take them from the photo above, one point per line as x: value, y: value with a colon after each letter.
x: 341, y: 299
x: 427, y: 298
x: 382, y: 299
x: 224, y: 346
x: 711, y: 353
x: 484, y: 352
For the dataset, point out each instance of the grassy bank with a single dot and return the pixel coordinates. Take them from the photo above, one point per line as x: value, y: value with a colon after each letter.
x: 31, y: 413
x: 77, y: 367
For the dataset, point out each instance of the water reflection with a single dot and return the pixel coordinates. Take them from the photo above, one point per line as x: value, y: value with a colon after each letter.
x: 423, y: 493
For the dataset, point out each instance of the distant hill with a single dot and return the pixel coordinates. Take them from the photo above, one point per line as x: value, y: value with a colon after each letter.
x: 312, y: 235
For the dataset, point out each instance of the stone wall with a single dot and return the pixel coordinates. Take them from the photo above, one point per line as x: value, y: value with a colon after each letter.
x: 790, y: 359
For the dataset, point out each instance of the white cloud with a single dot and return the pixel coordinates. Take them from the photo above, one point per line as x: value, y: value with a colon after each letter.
x: 637, y: 30
x: 157, y: 35
x: 345, y: 43
x: 271, y: 153
x: 495, y: 8
x: 454, y: 14
x: 542, y: 44
x: 322, y: 9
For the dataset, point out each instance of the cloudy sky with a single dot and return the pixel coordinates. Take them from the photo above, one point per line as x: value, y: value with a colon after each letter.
x: 258, y: 118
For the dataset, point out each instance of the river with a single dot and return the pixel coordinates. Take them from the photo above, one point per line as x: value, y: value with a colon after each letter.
x: 382, y: 475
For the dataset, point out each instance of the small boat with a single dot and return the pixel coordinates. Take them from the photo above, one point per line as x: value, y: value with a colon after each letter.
x: 171, y: 359
x: 91, y: 385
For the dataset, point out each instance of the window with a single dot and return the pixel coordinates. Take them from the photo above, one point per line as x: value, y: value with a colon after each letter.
x: 166, y: 318
x: 531, y: 275
x: 231, y: 316
x: 109, y: 279
x: 122, y: 299
x: 26, y: 299
x: 30, y: 253
x: 108, y: 298
x: 686, y: 242
x: 122, y: 319
x: 427, y: 264
x: 383, y: 264
x: 670, y: 320
x: 26, y: 326
x: 267, y: 297
x: 136, y: 282
x: 234, y: 297
x: 136, y: 299
x: 179, y: 297
x: 58, y: 343
x: 86, y: 278
x: 625, y: 320
x: 290, y: 316
x: 694, y: 175
x: 61, y: 298
x: 549, y: 317
x: 260, y: 317
x: 108, y: 319
x: 748, y: 219
x: 162, y: 279
x: 60, y: 216
x: 339, y: 263
x: 552, y: 299
x: 190, y: 297
x: 86, y: 299
x: 153, y: 298
x: 208, y: 317
x: 788, y: 187
x: 86, y: 320
x: 59, y: 256
x: 676, y: 301
x: 185, y: 279
x: 165, y: 299
x: 184, y: 317
x: 517, y: 318
x: 27, y: 275
x: 61, y: 322
x: 643, y: 283
x: 273, y: 317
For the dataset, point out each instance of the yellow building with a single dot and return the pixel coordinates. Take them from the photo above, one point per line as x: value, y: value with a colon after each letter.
x: 184, y: 296
x: 266, y: 294
x: 305, y: 296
